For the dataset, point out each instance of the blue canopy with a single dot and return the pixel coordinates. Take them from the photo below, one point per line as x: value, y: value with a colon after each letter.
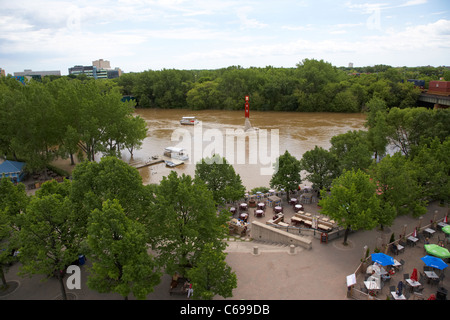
x: 382, y: 259
x: 434, y: 262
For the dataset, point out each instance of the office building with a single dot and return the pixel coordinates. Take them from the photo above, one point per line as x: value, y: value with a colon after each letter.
x: 31, y: 73
x: 101, y: 64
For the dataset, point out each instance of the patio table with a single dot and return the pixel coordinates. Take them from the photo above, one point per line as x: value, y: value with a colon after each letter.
x: 412, y: 240
x: 413, y: 283
x: 397, y: 297
x: 431, y: 275
x: 259, y: 213
x: 429, y: 231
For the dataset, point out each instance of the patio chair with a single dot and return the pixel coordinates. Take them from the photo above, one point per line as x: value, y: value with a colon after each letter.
x: 406, y: 294
x: 418, y: 295
x: 402, y: 263
x: 393, y: 249
x: 405, y: 276
x: 437, y: 281
x: 422, y: 279
x: 418, y: 289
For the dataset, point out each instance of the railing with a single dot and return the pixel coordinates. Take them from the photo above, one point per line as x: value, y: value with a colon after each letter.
x: 316, y: 233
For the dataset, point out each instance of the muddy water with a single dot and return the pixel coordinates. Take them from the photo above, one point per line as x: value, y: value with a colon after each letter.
x: 222, y: 132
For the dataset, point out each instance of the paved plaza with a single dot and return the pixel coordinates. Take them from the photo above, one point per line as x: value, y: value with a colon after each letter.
x: 275, y: 273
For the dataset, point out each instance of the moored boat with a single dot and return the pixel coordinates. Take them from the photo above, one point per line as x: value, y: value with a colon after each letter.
x: 189, y: 120
x: 176, y: 153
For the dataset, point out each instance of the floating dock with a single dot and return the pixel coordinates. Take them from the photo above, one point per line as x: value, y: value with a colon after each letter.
x: 155, y: 160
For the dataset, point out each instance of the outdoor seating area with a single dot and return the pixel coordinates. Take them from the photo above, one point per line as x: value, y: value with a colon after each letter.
x: 418, y: 275
x: 279, y: 211
x: 37, y: 179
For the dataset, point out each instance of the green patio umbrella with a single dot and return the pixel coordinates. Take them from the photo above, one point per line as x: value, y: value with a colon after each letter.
x: 446, y: 229
x: 437, y: 251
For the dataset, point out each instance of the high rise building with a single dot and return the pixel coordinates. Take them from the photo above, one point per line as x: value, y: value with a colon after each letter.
x: 101, y: 64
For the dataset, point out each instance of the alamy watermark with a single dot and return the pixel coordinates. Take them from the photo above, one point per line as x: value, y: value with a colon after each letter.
x: 253, y: 147
x: 74, y: 280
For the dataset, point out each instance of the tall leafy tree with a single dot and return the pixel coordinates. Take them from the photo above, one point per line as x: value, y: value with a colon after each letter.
x: 211, y: 275
x: 397, y: 188
x: 431, y: 168
x: 13, y: 202
x: 7, y: 247
x: 287, y: 173
x: 185, y: 220
x: 111, y: 178
x: 352, y: 150
x: 321, y: 167
x: 119, y: 250
x: 49, y: 239
x: 377, y: 133
x: 220, y: 179
x: 352, y: 202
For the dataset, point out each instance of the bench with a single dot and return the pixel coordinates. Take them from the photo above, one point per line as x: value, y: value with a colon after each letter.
x: 280, y: 217
x: 325, y: 225
x: 302, y: 218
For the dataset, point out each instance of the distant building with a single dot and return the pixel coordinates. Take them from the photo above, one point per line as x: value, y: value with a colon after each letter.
x: 100, y: 69
x: 30, y: 73
x: 89, y: 71
x: 2, y: 72
x: 350, y: 64
x: 101, y: 64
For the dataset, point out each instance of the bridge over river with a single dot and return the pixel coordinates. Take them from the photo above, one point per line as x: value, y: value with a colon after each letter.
x: 438, y: 101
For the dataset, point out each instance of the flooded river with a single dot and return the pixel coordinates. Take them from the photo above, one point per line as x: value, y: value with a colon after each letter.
x: 219, y: 131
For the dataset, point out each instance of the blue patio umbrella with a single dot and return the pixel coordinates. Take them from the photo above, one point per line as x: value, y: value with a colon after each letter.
x: 434, y: 262
x: 382, y: 259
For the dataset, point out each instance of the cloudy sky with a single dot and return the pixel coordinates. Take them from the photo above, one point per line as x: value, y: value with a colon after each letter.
x: 138, y: 35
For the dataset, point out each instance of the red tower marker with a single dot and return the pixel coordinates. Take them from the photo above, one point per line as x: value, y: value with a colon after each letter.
x: 247, y: 107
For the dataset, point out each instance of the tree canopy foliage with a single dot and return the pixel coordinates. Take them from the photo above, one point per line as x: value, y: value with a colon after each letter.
x: 42, y: 120
x: 312, y: 86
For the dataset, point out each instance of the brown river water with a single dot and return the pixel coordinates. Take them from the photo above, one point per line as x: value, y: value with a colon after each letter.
x: 252, y: 154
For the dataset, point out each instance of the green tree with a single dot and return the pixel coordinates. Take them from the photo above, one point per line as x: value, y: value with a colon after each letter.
x: 377, y: 133
x: 118, y: 248
x: 204, y: 95
x: 352, y: 202
x: 352, y: 150
x: 220, y: 179
x: 184, y: 221
x: 286, y: 174
x: 49, y: 239
x: 111, y: 178
x: 398, y: 187
x: 431, y: 168
x: 7, y: 247
x: 211, y: 275
x: 136, y: 132
x: 321, y: 167
x: 13, y: 202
